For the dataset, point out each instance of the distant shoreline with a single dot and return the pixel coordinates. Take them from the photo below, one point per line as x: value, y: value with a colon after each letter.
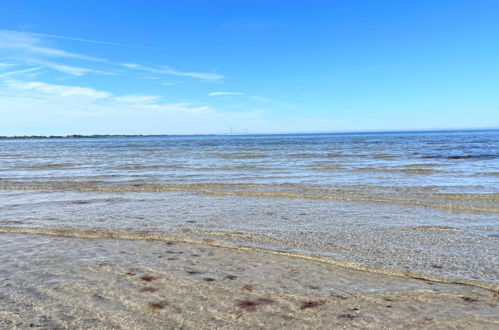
x: 93, y: 136
x: 100, y: 136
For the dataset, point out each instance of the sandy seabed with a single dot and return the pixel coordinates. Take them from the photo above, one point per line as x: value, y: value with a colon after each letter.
x: 50, y: 282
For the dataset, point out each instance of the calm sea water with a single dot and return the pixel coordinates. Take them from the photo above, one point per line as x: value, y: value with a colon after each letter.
x: 425, y: 201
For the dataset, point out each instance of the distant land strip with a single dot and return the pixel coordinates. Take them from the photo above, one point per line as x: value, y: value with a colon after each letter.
x: 97, y: 136
x: 78, y: 136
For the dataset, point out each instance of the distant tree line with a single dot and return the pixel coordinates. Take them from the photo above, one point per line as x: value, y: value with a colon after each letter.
x: 73, y: 136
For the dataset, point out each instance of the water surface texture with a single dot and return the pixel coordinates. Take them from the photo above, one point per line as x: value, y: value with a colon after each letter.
x: 425, y: 202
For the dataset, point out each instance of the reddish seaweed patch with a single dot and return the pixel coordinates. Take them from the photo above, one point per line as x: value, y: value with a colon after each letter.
x: 250, y: 305
x: 209, y: 279
x: 130, y: 274
x: 311, y: 303
x: 468, y: 299
x: 247, y: 287
x: 193, y: 272
x: 155, y: 306
x: 148, y: 278
x: 231, y: 277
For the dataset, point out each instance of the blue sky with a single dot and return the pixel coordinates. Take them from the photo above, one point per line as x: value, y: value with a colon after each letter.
x: 196, y: 67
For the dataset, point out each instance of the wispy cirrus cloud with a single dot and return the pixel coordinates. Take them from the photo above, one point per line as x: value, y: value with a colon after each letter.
x: 138, y: 99
x: 38, y: 88
x: 29, y: 45
x: 27, y: 48
x: 226, y: 93
x: 88, y: 111
x: 67, y: 93
x: 68, y: 69
x: 4, y: 65
x: 261, y: 99
x: 173, y: 72
x: 248, y: 96
x: 99, y: 42
x: 18, y: 72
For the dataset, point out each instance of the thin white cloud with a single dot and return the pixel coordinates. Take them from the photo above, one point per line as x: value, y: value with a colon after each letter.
x: 226, y: 93
x: 57, y: 36
x: 173, y: 72
x: 137, y: 99
x: 65, y: 93
x: 181, y: 107
x: 261, y: 99
x: 4, y: 65
x: 251, y: 97
x: 38, y: 88
x: 68, y: 69
x: 18, y: 72
x: 25, y: 48
x: 62, y: 109
x: 28, y: 45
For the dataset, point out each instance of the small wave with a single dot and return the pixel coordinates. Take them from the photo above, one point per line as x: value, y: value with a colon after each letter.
x: 489, y: 173
x: 337, y: 155
x: 149, y: 167
x: 6, y: 155
x: 384, y: 156
x: 306, y: 155
x: 468, y: 197
x: 458, y: 157
x: 257, y: 169
x: 417, y: 170
x: 94, y: 234
x: 375, y: 170
x: 424, y: 165
x: 149, y: 149
x: 398, y: 170
x: 361, y: 198
x: 319, y: 155
x: 48, y: 166
x: 328, y: 168
x: 243, y: 156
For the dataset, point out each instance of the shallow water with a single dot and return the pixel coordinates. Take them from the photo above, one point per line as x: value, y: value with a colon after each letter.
x: 72, y: 283
x: 426, y: 202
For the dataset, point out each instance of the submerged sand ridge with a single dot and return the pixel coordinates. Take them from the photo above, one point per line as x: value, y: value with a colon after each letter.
x: 377, y: 236
x: 147, y: 236
x: 456, y: 202
x: 71, y: 282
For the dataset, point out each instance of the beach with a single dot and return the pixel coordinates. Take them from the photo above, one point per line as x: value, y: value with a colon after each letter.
x: 370, y: 230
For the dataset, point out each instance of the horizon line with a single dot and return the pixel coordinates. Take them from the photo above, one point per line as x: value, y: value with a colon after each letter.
x: 422, y: 130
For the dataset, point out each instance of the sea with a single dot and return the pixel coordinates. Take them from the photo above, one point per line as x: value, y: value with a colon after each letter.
x: 421, y: 202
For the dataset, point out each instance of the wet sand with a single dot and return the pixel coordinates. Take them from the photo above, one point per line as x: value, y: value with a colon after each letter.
x: 52, y: 282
